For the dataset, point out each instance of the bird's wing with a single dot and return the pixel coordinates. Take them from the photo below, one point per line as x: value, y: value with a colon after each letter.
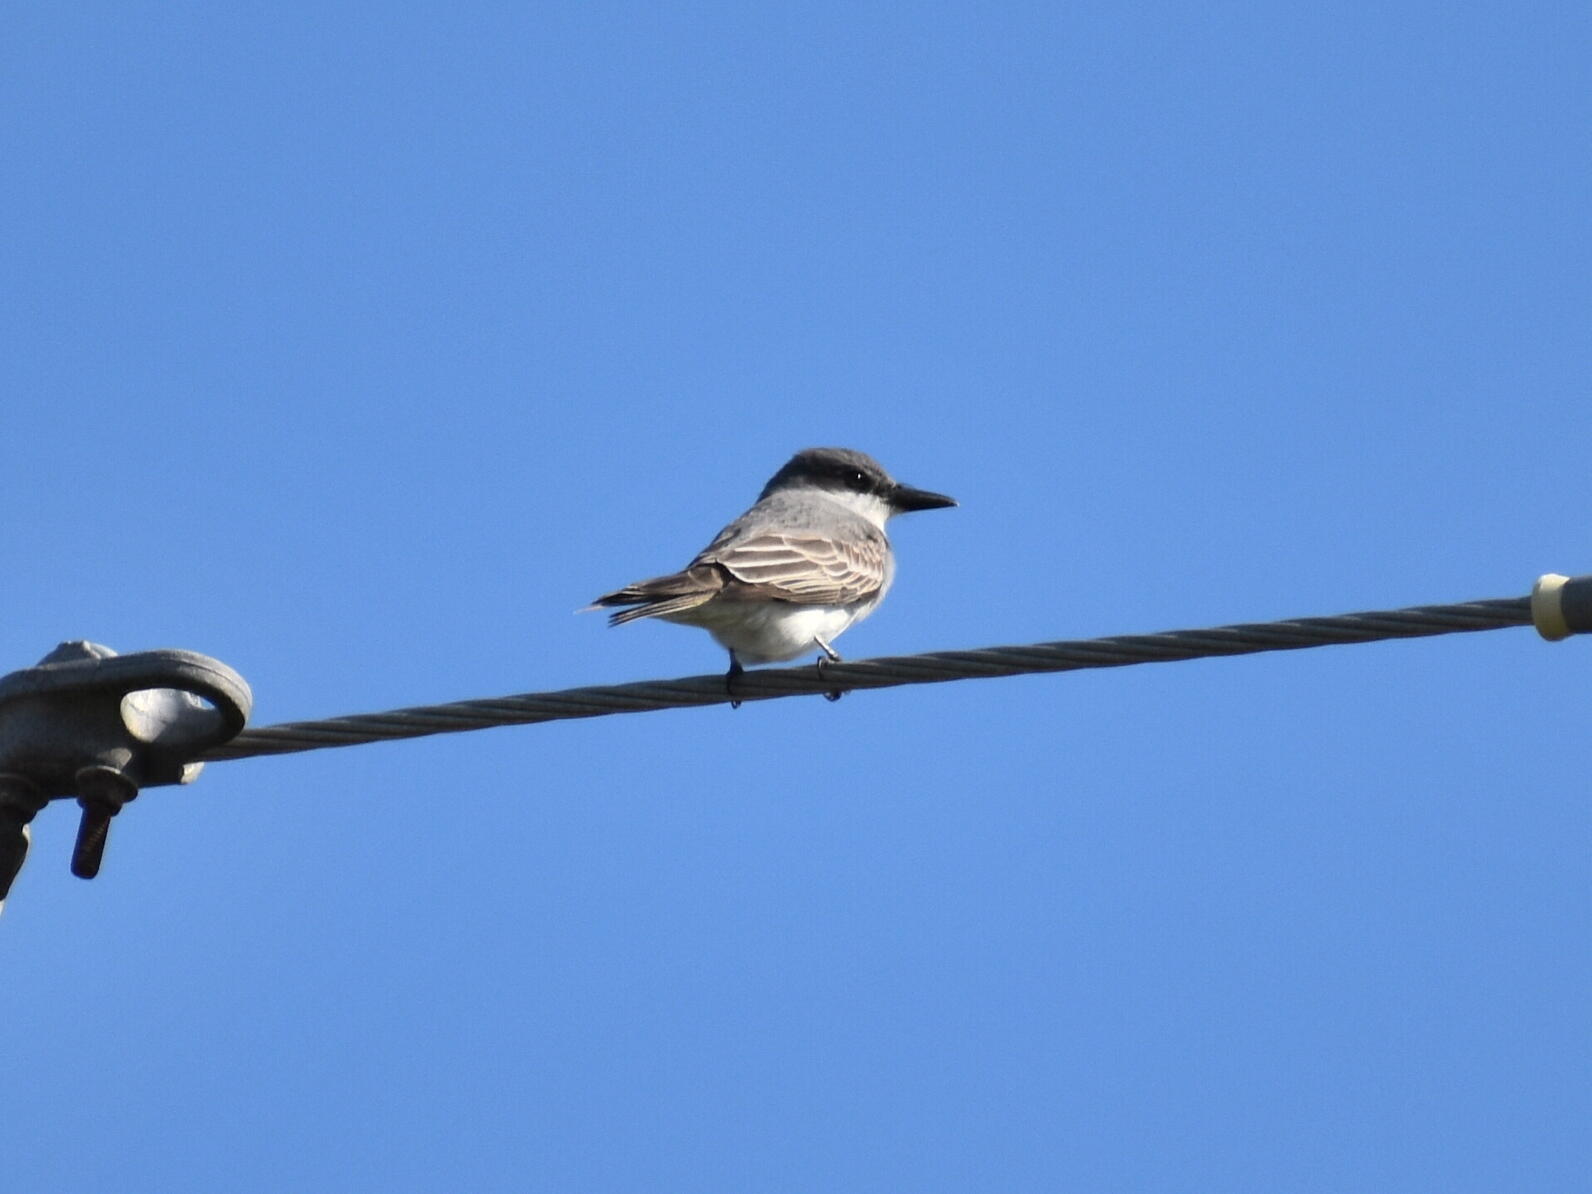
x: 801, y: 567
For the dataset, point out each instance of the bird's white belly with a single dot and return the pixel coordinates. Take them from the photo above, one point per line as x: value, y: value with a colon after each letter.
x: 772, y: 631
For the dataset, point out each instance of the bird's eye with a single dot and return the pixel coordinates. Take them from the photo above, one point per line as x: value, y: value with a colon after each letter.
x: 859, y: 480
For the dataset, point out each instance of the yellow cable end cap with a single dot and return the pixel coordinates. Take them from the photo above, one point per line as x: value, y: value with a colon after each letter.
x: 1547, y: 607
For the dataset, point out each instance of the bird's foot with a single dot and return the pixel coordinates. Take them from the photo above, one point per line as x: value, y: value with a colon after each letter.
x: 730, y: 678
x: 828, y: 657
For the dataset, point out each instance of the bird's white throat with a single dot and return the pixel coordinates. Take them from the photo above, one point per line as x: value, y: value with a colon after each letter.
x: 870, y: 505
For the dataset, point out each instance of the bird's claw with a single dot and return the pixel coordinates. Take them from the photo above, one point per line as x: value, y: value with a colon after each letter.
x: 834, y: 694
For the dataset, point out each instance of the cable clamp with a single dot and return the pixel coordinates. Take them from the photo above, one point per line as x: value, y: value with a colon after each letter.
x: 91, y: 724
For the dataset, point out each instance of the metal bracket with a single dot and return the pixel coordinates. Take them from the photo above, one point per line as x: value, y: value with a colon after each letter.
x: 92, y: 724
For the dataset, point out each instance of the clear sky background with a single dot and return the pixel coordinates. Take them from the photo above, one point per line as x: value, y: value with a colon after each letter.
x: 360, y: 345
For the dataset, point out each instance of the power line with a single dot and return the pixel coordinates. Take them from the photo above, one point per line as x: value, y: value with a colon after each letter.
x: 885, y: 672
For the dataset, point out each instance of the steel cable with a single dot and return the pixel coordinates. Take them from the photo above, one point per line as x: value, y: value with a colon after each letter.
x: 885, y: 672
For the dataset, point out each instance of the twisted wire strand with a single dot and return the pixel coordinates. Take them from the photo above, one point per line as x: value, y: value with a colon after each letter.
x: 885, y: 672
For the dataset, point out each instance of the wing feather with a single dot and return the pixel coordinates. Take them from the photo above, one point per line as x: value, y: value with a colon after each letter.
x: 804, y: 568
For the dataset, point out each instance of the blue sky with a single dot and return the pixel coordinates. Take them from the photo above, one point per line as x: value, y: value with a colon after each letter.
x: 359, y: 346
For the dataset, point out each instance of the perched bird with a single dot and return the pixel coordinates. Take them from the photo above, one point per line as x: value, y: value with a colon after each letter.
x: 793, y: 572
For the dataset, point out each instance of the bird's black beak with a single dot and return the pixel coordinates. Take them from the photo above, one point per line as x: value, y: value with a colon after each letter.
x: 905, y: 499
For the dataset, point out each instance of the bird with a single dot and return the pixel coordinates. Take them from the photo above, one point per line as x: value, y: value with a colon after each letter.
x: 808, y: 560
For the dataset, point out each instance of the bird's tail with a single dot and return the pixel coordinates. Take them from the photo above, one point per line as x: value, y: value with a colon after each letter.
x: 656, y: 598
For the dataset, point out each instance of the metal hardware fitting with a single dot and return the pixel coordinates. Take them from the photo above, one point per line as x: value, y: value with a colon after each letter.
x: 91, y: 724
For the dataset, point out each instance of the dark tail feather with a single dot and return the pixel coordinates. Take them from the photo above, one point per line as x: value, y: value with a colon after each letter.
x: 656, y: 609
x: 660, y: 596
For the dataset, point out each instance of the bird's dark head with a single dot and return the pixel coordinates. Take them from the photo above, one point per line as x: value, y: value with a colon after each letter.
x: 856, y: 477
